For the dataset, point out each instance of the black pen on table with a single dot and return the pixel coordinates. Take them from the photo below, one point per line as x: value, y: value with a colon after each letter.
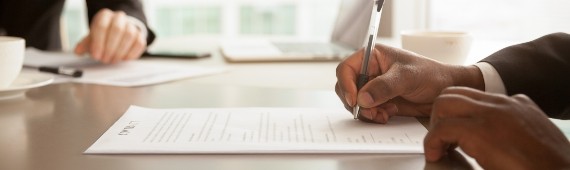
x: 372, y: 32
x: 76, y: 73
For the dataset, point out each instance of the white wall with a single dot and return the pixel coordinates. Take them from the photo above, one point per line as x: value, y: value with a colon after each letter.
x: 512, y: 20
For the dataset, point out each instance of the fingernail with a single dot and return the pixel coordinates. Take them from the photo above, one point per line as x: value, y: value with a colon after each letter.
x: 386, y: 116
x: 380, y: 113
x: 365, y: 100
x: 348, y: 99
x: 391, y: 109
x: 366, y: 113
x: 107, y: 59
x: 97, y: 55
x: 431, y: 155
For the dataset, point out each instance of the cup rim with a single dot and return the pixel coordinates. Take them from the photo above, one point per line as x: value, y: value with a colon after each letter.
x: 434, y: 33
x: 10, y: 39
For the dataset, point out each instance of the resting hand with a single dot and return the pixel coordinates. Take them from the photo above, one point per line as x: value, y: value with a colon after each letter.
x: 112, y: 38
x: 500, y: 132
x: 401, y: 83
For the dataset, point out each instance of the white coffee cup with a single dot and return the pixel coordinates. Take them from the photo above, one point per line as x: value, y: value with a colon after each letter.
x: 11, y: 59
x: 444, y: 46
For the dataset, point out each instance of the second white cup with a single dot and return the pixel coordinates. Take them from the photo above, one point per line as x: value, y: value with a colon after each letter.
x: 443, y: 46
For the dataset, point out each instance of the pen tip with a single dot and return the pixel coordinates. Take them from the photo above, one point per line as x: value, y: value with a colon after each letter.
x: 77, y: 74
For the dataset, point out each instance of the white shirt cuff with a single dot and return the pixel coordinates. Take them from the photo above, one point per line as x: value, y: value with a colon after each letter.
x: 140, y: 25
x: 493, y: 81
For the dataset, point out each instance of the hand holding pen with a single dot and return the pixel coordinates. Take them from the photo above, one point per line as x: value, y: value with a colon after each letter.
x: 402, y: 82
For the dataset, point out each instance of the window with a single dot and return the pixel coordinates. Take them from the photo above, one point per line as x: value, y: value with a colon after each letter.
x: 173, y: 20
x: 276, y: 20
x: 306, y: 19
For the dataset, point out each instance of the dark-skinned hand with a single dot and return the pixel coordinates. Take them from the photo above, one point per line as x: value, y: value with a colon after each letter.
x: 498, y: 131
x: 401, y: 83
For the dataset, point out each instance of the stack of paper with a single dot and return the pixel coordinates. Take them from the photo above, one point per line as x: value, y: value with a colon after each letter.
x: 127, y: 74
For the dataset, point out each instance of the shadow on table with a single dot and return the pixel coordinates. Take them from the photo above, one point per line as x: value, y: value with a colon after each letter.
x: 453, y: 160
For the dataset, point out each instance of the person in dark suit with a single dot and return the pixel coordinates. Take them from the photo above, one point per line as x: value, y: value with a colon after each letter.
x: 496, y: 110
x: 118, y: 29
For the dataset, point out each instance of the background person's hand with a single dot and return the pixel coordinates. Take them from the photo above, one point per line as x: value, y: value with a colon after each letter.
x: 401, y: 83
x: 500, y: 132
x: 112, y: 38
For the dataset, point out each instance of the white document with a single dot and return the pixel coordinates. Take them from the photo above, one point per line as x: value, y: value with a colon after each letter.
x: 126, y: 74
x: 255, y: 130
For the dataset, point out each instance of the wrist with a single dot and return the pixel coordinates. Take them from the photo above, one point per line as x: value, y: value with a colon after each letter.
x: 467, y: 76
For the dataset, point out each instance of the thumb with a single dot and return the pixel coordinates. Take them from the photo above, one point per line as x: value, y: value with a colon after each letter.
x: 381, y: 89
x: 82, y: 47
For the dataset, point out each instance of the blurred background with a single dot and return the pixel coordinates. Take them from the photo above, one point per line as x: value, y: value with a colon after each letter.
x: 506, y: 20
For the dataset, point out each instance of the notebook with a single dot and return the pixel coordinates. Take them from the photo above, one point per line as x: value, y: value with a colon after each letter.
x: 348, y: 35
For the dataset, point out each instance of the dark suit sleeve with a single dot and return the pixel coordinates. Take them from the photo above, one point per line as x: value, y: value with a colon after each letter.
x: 132, y: 8
x: 540, y: 69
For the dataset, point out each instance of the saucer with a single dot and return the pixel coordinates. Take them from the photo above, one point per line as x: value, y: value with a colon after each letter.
x: 25, y: 81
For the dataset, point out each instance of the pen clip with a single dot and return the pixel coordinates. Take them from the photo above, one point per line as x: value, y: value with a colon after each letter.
x: 379, y: 3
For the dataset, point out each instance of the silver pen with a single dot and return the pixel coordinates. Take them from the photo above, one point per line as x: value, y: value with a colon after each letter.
x: 372, y: 32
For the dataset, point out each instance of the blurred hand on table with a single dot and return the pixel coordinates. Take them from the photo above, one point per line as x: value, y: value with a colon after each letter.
x: 113, y: 37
